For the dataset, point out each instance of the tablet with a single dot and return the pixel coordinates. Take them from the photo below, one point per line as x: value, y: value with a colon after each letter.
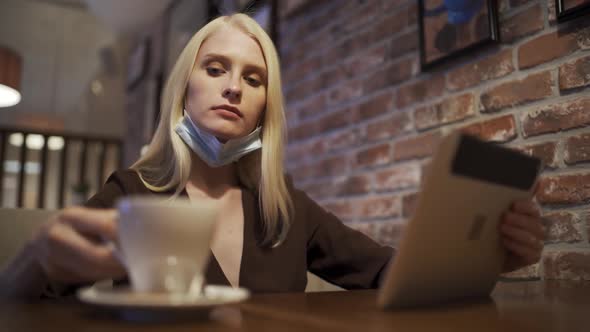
x: 451, y: 247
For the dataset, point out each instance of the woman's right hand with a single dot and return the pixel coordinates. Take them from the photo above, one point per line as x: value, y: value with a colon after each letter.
x: 72, y: 247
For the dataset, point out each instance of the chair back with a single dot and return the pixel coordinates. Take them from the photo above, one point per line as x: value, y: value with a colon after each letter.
x: 17, y: 227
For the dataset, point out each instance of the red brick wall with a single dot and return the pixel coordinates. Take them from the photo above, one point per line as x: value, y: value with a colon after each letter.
x: 363, y: 121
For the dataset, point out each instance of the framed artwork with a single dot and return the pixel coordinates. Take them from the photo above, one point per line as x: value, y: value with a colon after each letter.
x: 449, y: 28
x: 570, y: 9
x: 138, y: 66
x: 265, y: 12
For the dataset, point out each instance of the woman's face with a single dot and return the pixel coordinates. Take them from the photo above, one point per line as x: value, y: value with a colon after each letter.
x: 226, y: 92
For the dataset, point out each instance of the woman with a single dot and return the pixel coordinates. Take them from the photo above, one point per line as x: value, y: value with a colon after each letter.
x: 220, y: 139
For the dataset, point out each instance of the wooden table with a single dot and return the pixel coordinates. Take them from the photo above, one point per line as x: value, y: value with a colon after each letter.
x: 515, y: 306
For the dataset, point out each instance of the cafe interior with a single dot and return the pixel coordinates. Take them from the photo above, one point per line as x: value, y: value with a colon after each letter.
x: 371, y: 88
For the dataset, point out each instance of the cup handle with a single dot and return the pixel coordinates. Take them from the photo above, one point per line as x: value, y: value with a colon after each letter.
x: 116, y: 252
x: 114, y: 246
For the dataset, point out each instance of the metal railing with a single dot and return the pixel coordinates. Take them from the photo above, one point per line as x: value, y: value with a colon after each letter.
x: 63, y: 166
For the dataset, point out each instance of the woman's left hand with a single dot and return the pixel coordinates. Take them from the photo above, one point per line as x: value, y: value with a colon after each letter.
x: 523, y: 234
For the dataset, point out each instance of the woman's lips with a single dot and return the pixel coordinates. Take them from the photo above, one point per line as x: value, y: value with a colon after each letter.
x: 228, y: 109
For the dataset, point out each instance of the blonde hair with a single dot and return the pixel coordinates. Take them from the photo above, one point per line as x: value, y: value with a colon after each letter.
x: 166, y: 164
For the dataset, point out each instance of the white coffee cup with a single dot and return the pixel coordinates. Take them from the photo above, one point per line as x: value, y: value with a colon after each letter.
x: 165, y: 244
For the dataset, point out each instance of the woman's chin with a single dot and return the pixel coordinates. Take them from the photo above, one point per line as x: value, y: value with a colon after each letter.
x: 224, y: 135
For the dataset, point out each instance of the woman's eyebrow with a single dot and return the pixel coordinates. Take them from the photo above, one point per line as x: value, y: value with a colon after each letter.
x: 214, y: 56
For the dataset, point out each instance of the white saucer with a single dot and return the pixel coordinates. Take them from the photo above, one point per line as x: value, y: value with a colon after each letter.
x: 124, y: 298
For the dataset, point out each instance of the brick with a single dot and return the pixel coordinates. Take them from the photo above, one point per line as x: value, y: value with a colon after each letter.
x: 331, y: 166
x: 510, y: 94
x: 390, y: 25
x: 319, y: 189
x: 367, y: 60
x: 352, y: 185
x: 516, y: 3
x: 303, y: 69
x: 544, y: 151
x: 421, y: 91
x: 393, y: 4
x: 292, y: 116
x: 333, y: 76
x: 503, y: 6
x: 379, y: 207
x: 389, y: 233
x: 393, y: 74
x: 363, y: 15
x: 342, y: 209
x: 299, y: 92
x: 450, y: 110
x: 572, y: 264
x: 577, y: 149
x: 303, y: 173
x: 522, y: 24
x: 306, y: 151
x: 501, y: 129
x: 545, y: 48
x: 345, y: 92
x: 318, y: 41
x: 409, y: 202
x: 574, y: 74
x: 583, y: 35
x: 416, y: 147
x: 376, y: 155
x: 289, y: 57
x: 376, y: 106
x: 358, y: 41
x: 342, y: 140
x: 563, y: 227
x: 495, y: 66
x: 396, y: 178
x: 556, y: 117
x: 302, y: 131
x: 527, y: 272
x: 392, y: 126
x: 551, y: 12
x: 369, y: 228
x: 564, y: 189
x: 334, y: 121
x: 403, y: 44
x: 312, y: 106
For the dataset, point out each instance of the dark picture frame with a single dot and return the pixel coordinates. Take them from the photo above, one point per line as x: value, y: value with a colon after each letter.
x: 460, y: 33
x: 567, y: 10
x: 254, y: 9
x: 139, y: 63
x: 265, y: 12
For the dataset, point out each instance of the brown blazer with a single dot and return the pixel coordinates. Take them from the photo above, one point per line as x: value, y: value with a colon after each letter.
x: 317, y: 241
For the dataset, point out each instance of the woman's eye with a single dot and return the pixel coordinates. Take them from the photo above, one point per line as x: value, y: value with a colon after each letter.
x: 252, y: 81
x: 213, y: 71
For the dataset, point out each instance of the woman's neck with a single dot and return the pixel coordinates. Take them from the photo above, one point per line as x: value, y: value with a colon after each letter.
x: 212, y: 181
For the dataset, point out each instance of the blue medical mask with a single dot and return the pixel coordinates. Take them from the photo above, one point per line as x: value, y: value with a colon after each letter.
x: 208, y: 147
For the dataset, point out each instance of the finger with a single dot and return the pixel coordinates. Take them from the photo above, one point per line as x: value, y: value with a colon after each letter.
x: 96, y: 222
x: 527, y: 207
x: 528, y: 255
x: 526, y: 223
x: 56, y: 272
x: 70, y: 250
x: 522, y: 237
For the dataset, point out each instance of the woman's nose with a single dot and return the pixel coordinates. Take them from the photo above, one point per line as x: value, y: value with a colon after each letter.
x: 233, y: 89
x: 232, y: 92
